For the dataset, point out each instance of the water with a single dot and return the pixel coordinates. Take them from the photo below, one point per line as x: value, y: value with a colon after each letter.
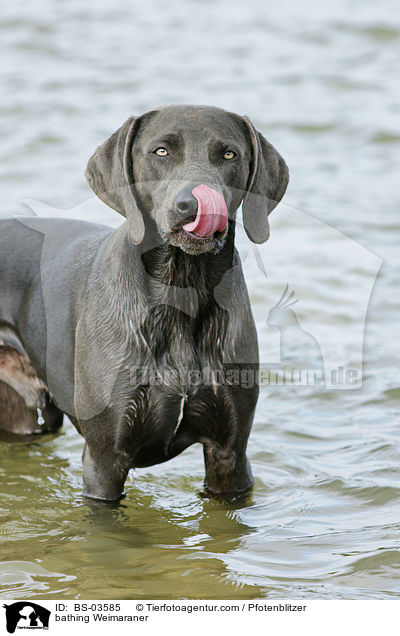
x: 321, y: 83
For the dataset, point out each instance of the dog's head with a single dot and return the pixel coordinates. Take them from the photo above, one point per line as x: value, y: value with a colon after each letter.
x: 184, y: 170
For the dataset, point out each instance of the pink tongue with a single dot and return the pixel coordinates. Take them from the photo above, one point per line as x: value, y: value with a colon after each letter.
x: 212, y: 214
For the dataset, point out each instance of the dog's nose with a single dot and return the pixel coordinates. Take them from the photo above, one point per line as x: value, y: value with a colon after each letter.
x: 186, y: 203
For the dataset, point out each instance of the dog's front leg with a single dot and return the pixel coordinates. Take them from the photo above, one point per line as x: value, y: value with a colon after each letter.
x: 104, y: 472
x: 228, y: 470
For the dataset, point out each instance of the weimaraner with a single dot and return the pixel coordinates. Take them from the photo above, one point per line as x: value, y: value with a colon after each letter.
x: 111, y: 326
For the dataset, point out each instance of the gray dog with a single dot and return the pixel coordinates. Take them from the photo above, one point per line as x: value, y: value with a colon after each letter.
x: 110, y: 326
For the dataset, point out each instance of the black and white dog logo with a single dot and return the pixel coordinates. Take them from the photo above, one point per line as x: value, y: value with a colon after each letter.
x: 26, y: 615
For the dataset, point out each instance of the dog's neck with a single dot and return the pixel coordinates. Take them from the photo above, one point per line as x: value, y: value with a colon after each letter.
x: 143, y: 289
x: 155, y: 272
x: 171, y: 266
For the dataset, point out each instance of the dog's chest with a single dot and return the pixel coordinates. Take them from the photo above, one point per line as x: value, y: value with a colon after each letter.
x: 177, y: 401
x: 179, y: 396
x: 167, y: 418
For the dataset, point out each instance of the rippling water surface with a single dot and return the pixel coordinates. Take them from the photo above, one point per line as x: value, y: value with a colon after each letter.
x: 321, y: 82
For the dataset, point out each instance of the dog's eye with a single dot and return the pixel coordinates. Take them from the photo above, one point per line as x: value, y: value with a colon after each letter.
x: 161, y: 152
x: 229, y: 154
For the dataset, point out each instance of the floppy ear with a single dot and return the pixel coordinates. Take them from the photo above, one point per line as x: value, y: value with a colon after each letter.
x: 110, y: 175
x: 269, y: 176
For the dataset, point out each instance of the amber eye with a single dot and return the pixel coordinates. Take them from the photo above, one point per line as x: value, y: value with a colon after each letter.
x: 161, y: 152
x: 229, y: 154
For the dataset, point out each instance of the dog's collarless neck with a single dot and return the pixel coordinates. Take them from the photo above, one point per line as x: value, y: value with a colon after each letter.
x: 170, y: 265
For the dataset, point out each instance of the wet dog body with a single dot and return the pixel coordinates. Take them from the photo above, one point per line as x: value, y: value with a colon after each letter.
x: 140, y: 335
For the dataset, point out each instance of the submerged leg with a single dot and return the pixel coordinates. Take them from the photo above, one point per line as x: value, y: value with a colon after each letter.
x: 228, y: 470
x: 104, y: 473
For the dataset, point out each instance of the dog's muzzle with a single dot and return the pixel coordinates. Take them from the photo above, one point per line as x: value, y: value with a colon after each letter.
x: 207, y: 209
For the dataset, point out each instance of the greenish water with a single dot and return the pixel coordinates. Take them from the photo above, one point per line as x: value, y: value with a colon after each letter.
x: 321, y: 83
